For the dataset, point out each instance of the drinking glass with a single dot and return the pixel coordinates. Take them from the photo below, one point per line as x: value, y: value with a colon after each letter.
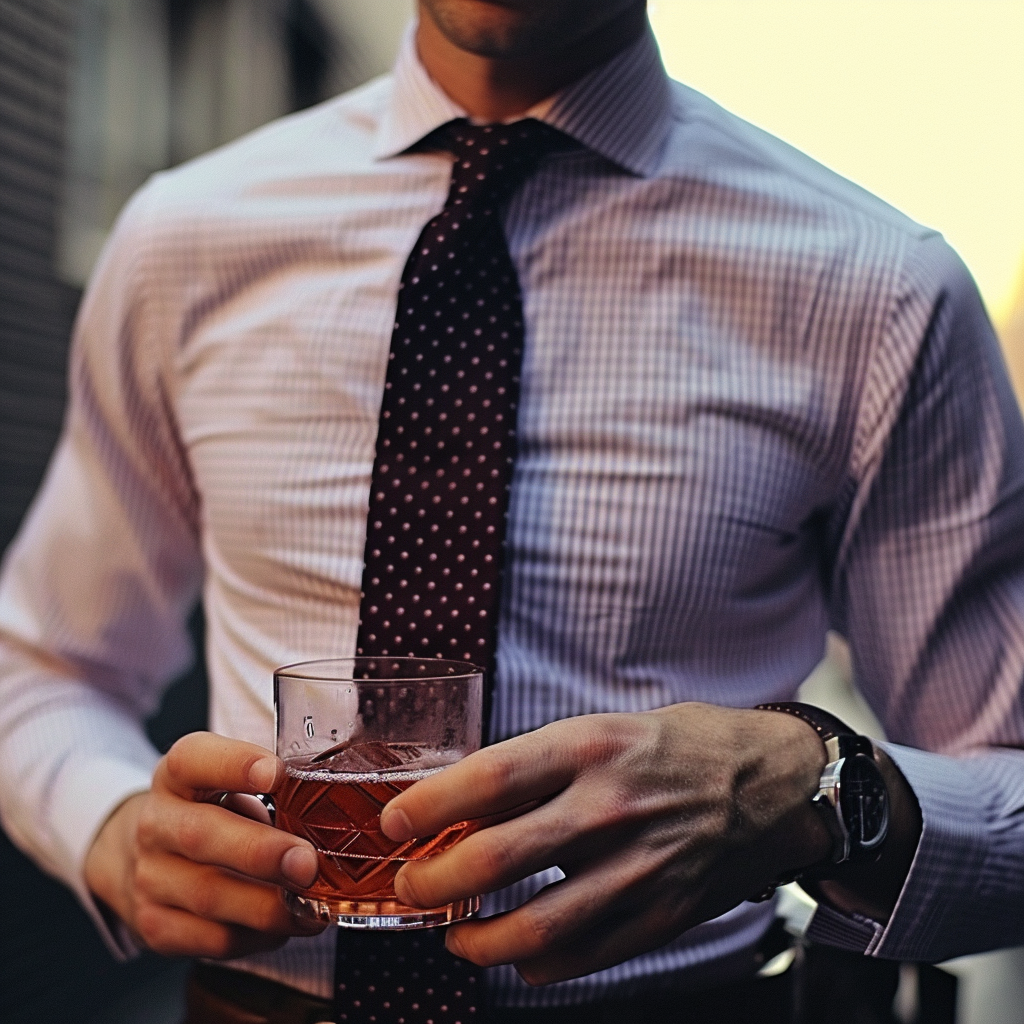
x: 354, y: 733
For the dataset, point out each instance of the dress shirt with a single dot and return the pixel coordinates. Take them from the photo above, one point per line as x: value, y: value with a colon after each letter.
x: 757, y: 403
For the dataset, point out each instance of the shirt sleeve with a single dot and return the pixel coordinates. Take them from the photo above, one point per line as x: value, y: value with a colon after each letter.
x: 96, y: 587
x: 928, y: 588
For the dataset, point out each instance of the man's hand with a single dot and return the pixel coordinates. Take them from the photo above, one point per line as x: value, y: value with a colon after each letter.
x: 659, y: 821
x: 193, y: 879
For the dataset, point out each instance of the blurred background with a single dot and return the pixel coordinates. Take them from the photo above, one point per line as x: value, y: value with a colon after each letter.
x: 920, y: 101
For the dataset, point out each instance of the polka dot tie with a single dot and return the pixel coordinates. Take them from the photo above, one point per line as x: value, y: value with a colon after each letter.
x: 438, y: 502
x: 404, y: 978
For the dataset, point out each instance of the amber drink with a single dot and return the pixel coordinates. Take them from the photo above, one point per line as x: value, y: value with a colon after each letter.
x: 350, y: 745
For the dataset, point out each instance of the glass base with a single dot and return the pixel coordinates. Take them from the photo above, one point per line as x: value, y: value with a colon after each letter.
x: 379, y: 915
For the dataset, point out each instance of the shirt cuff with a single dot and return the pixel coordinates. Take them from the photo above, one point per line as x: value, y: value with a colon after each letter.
x: 852, y: 932
x: 85, y: 796
x: 926, y: 923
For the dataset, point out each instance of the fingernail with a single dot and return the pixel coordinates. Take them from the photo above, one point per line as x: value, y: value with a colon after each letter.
x: 395, y: 824
x: 299, y: 866
x: 403, y: 896
x: 263, y: 774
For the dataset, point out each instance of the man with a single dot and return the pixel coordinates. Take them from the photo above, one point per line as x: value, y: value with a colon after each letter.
x: 756, y: 403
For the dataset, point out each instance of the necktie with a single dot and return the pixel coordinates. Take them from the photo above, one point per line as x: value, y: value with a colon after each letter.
x: 438, y: 503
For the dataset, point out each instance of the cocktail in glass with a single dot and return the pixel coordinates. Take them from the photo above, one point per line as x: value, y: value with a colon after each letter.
x: 354, y: 733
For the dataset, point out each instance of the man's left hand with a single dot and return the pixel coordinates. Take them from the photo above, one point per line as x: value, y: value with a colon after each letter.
x: 659, y: 820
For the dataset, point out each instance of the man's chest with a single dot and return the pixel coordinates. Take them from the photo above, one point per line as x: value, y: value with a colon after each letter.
x: 676, y: 434
x: 651, y: 469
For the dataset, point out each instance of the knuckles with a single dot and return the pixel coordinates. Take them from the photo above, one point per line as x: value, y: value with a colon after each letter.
x: 536, y: 931
x: 526, y: 934
x: 190, y: 829
x: 611, y: 805
x: 259, y: 856
x: 496, y: 775
x: 178, y: 760
x: 147, y: 876
x: 204, y: 900
x: 152, y: 926
x: 600, y: 739
x: 161, y: 931
x: 496, y: 858
x: 190, y: 835
x: 207, y: 762
x: 148, y: 824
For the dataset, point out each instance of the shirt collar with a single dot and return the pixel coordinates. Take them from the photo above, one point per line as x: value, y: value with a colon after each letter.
x: 621, y: 110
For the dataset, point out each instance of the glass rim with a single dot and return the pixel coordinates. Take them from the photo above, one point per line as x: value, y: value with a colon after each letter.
x: 314, y: 671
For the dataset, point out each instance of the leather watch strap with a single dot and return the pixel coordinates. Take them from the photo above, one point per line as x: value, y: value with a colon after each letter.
x: 826, y: 725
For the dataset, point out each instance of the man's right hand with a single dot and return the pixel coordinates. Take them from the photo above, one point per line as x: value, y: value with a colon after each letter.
x: 190, y: 878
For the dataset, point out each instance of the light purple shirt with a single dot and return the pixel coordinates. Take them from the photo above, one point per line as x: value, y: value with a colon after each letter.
x: 757, y: 404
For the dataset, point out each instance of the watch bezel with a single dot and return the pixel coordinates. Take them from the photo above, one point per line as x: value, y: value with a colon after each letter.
x: 827, y: 799
x: 834, y: 779
x: 859, y: 848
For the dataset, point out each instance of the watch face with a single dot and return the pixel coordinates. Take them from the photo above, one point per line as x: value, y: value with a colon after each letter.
x: 864, y: 802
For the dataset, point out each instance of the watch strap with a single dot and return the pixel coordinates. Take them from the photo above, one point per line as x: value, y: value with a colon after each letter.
x: 826, y: 725
x: 839, y: 739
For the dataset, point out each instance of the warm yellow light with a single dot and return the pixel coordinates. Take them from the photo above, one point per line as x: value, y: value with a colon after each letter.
x: 920, y: 101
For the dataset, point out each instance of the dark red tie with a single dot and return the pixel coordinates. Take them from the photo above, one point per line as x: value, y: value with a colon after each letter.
x: 438, y: 503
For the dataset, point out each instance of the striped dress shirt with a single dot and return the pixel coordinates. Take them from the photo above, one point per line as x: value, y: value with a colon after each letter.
x: 757, y: 404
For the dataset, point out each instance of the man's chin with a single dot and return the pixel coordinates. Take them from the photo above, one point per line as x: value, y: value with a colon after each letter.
x: 502, y: 30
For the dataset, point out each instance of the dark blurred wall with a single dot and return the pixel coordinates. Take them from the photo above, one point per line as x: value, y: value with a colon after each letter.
x: 73, y: 145
x: 44, y: 935
x: 53, y: 966
x: 36, y: 309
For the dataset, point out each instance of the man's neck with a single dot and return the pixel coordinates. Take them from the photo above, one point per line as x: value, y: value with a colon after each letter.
x: 496, y: 89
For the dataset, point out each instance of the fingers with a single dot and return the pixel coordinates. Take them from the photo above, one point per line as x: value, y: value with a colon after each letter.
x: 206, y: 834
x: 497, y: 779
x: 202, y: 763
x: 192, y: 878
x: 491, y: 858
x: 218, y: 896
x: 572, y: 928
x: 589, y: 820
x: 172, y: 932
x: 604, y: 947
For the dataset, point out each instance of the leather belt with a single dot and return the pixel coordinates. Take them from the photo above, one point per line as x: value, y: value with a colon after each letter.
x: 817, y: 986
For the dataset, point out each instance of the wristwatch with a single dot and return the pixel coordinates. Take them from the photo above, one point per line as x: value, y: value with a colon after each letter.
x: 852, y: 796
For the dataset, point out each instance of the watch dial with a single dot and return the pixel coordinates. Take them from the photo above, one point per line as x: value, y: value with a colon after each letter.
x: 864, y: 801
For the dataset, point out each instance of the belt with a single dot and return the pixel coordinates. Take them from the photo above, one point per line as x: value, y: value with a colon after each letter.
x: 218, y: 995
x: 823, y: 986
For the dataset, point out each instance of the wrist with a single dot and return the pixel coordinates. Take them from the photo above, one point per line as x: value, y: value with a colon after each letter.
x: 108, y: 863
x: 868, y: 809
x: 790, y: 762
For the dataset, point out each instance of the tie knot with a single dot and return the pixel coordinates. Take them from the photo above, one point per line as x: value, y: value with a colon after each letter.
x: 492, y: 160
